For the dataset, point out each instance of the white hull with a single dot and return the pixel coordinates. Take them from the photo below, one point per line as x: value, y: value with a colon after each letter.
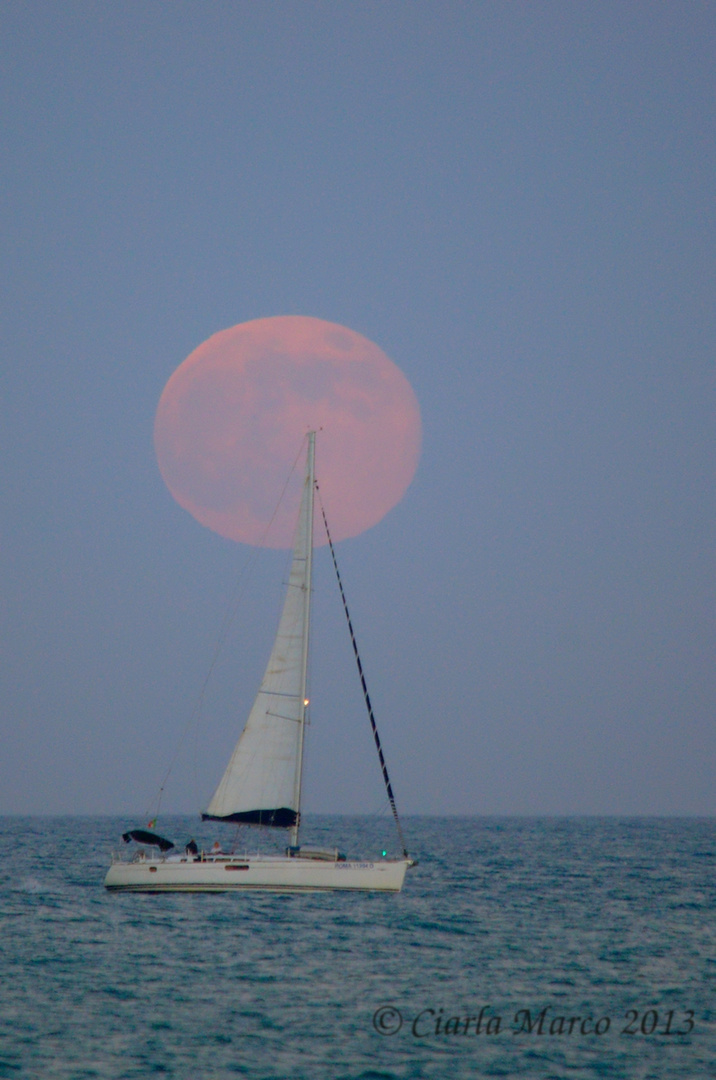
x: 266, y: 873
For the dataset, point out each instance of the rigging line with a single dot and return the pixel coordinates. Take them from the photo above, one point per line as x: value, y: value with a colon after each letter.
x: 226, y: 625
x: 366, y: 695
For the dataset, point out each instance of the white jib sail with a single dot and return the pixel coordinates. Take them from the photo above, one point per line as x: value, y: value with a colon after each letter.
x: 263, y: 775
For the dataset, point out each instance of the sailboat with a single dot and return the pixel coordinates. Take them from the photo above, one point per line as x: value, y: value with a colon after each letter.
x: 262, y: 782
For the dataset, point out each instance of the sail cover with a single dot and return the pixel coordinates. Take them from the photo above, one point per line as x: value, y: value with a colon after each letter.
x: 143, y: 837
x: 261, y: 784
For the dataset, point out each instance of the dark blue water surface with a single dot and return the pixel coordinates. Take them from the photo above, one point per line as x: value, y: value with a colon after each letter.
x: 586, y: 944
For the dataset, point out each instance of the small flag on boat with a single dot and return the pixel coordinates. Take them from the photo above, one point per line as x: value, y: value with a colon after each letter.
x: 152, y: 823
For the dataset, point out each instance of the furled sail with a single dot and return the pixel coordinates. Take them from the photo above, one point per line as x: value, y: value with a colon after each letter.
x: 261, y: 785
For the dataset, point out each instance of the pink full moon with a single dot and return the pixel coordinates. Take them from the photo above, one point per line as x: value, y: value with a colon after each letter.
x: 232, y: 419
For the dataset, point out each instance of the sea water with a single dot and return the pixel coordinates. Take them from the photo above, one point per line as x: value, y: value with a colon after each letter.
x: 550, y: 948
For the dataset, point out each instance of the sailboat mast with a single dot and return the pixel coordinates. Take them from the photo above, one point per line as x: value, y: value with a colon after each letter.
x: 310, y: 470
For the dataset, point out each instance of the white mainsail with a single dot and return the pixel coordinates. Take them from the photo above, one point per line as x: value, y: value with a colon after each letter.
x: 262, y: 783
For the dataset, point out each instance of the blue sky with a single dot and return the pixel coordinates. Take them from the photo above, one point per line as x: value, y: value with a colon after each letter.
x: 516, y: 203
